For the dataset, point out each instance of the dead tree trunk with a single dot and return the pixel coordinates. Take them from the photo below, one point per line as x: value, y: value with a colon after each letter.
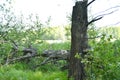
x: 79, y: 40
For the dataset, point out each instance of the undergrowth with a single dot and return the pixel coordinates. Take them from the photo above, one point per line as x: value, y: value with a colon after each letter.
x: 17, y: 72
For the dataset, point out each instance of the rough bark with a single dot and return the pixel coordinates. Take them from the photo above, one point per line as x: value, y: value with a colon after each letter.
x: 55, y: 55
x: 28, y: 56
x: 79, y: 40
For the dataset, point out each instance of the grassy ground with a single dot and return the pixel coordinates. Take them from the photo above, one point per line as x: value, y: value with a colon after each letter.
x: 104, y: 64
x: 23, y: 71
x: 12, y: 73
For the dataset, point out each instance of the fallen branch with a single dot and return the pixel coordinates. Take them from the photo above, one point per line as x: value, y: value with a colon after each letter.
x: 53, y: 56
x: 21, y: 58
x: 26, y: 53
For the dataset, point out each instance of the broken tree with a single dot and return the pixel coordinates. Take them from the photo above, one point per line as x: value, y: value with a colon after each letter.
x: 79, y: 39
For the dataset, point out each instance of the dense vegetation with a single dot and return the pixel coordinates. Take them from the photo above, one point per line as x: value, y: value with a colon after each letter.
x: 102, y: 61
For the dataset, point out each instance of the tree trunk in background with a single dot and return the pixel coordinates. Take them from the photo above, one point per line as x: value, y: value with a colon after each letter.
x: 79, y: 40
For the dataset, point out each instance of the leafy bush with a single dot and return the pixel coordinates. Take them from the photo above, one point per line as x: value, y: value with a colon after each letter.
x: 104, y: 61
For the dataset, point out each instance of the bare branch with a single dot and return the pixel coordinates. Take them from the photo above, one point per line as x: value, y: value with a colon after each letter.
x: 90, y: 2
x: 93, y: 20
x: 114, y: 7
x: 99, y: 17
x: 107, y: 13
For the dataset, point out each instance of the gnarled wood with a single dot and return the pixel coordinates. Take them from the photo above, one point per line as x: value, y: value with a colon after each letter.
x: 53, y: 56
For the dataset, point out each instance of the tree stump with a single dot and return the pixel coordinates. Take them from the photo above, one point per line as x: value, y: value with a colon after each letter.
x: 79, y: 40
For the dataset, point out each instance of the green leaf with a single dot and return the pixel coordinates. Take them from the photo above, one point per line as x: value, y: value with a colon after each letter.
x: 77, y: 55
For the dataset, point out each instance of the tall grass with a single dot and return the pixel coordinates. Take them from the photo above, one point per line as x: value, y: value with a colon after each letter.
x: 104, y: 64
x: 18, y: 72
x: 23, y: 71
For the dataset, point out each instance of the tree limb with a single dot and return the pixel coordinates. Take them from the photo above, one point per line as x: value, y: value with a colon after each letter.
x: 107, y: 13
x: 53, y: 56
x: 90, y: 2
x: 100, y: 17
x: 21, y: 58
x: 114, y: 7
x: 93, y: 20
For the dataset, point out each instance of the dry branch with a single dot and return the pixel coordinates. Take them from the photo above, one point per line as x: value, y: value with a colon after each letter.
x: 93, y: 20
x: 90, y: 2
x: 99, y: 17
x: 27, y: 53
x: 107, y: 10
x: 21, y: 58
x: 53, y: 56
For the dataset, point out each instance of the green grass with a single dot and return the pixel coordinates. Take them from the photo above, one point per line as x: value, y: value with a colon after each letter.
x: 105, y: 64
x: 11, y: 72
x: 23, y: 71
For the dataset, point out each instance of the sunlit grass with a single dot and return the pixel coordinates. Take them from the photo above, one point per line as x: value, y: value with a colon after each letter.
x: 10, y: 73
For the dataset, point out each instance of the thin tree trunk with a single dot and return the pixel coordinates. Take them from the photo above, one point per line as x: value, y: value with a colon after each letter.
x: 79, y: 40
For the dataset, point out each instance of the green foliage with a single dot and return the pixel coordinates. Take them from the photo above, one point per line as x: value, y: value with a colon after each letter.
x: 101, y: 63
x: 92, y: 31
x: 115, y: 31
x: 53, y: 33
x: 22, y: 71
x: 78, y: 56
x: 68, y: 32
x: 103, y: 60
